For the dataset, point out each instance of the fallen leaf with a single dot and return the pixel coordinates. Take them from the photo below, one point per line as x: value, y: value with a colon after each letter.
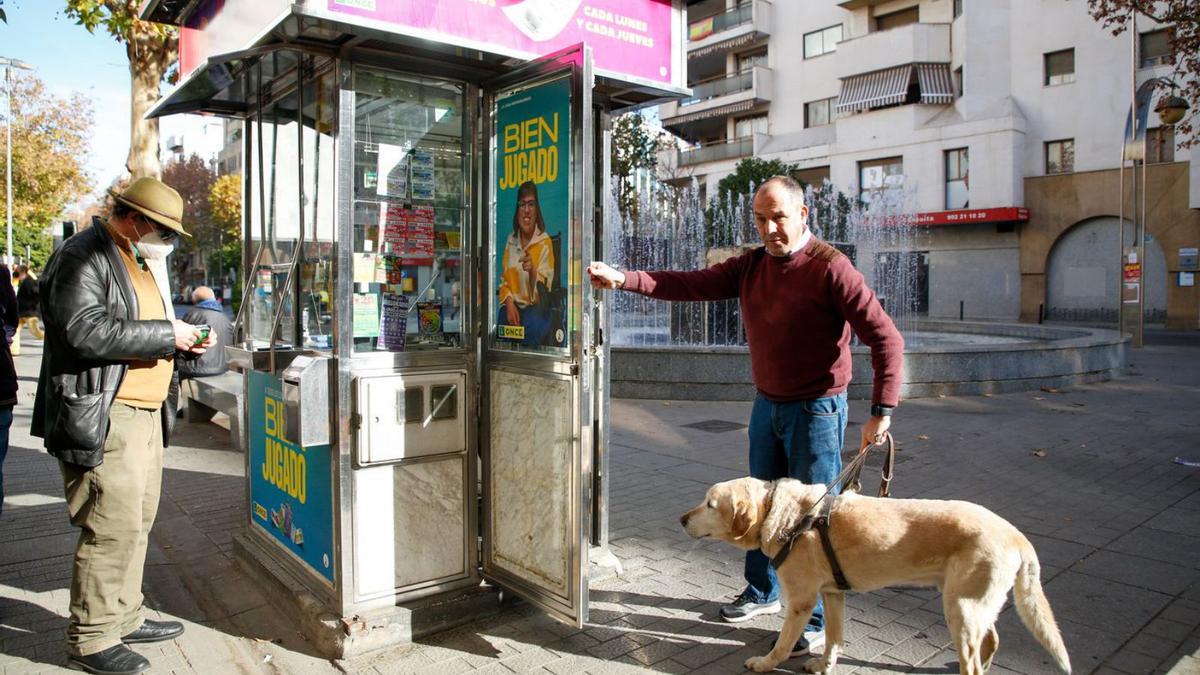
x: 987, y: 395
x: 1050, y: 390
x: 922, y: 437
x: 1039, y: 398
x: 1039, y: 453
x: 666, y: 403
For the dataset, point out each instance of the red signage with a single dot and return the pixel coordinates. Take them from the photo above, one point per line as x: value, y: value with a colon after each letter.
x: 1132, y: 271
x: 1001, y: 215
x: 1006, y: 214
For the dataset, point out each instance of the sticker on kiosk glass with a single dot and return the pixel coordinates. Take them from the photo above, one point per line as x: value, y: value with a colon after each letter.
x: 533, y: 210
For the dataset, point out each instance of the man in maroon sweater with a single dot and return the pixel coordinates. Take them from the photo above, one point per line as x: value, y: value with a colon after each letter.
x: 800, y: 298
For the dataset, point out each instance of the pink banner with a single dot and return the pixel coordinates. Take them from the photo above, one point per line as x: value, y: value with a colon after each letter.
x: 627, y: 37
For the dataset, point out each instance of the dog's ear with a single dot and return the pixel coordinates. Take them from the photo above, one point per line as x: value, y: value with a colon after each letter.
x: 744, y: 514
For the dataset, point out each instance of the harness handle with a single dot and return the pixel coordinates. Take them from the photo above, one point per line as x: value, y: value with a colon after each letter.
x: 889, y: 464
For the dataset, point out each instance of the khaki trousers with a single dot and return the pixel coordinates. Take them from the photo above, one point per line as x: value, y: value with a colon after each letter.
x: 113, y: 505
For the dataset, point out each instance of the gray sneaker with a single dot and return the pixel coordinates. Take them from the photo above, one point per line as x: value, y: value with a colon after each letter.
x: 744, y: 609
x: 812, y: 642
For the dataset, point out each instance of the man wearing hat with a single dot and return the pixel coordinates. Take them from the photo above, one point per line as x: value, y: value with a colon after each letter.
x: 105, y: 406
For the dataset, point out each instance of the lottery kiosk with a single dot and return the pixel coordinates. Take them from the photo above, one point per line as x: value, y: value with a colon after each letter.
x: 424, y: 361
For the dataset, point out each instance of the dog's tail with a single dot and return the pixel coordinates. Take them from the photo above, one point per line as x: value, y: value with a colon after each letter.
x: 1035, y: 610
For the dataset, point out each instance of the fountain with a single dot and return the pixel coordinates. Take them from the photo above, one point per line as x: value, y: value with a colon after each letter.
x: 697, y: 350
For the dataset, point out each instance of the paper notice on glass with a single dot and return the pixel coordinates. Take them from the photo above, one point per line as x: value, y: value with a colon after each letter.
x: 418, y: 241
x: 422, y: 175
x: 393, y: 171
x: 366, y: 315
x: 394, y: 330
x: 368, y: 269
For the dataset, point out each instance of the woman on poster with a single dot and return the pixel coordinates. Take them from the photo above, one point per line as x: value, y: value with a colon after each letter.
x: 527, y: 270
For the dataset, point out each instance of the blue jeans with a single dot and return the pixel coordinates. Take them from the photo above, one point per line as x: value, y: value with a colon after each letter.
x: 802, y: 440
x: 5, y: 423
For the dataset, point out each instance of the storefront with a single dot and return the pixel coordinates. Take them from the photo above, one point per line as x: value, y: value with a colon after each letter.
x: 425, y: 364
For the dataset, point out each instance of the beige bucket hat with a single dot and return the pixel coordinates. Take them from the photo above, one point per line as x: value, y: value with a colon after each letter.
x: 155, y: 200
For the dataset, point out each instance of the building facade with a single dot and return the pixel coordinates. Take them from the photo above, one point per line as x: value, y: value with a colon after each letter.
x: 1002, y: 123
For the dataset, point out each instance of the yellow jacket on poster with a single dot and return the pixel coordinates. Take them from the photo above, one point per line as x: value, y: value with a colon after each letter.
x: 514, y: 281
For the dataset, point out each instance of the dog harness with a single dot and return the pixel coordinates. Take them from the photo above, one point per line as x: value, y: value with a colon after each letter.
x: 820, y: 522
x: 849, y: 476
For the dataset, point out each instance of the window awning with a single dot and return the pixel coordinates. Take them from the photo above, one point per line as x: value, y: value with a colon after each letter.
x: 937, y: 87
x: 723, y: 46
x: 875, y: 90
x: 720, y: 111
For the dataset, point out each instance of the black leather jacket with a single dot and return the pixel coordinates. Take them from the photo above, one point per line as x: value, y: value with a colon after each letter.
x: 89, y: 309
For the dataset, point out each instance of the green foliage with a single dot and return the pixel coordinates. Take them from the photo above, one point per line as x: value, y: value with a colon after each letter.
x: 634, y: 147
x: 51, y: 143
x: 749, y: 174
x: 118, y: 17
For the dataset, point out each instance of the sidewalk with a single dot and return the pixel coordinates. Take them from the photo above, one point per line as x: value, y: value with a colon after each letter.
x: 1087, y: 474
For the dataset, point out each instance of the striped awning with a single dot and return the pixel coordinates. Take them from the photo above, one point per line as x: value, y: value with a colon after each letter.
x: 723, y: 46
x: 875, y: 90
x: 937, y: 87
x: 720, y: 111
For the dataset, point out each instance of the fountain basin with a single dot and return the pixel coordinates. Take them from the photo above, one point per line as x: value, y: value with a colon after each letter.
x: 942, y: 358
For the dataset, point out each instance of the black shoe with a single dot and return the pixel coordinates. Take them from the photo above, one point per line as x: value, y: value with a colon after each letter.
x: 154, y: 631
x: 118, y: 660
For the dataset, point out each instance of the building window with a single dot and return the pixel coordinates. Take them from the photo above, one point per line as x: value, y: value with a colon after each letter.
x: 958, y: 82
x: 1160, y: 145
x: 1060, y: 67
x: 747, y: 62
x: 904, y: 17
x: 878, y: 177
x: 748, y: 126
x: 1154, y: 49
x: 822, y: 41
x: 958, y: 8
x: 814, y: 176
x: 957, y: 183
x: 1060, y: 156
x: 818, y: 113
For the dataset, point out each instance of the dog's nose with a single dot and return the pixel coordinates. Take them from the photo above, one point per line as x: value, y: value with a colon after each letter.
x: 683, y: 520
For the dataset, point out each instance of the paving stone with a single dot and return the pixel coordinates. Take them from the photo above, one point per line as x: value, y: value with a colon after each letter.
x: 1134, y: 663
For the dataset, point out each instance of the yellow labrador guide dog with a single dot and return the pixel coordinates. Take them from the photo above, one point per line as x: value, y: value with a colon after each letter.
x: 969, y: 553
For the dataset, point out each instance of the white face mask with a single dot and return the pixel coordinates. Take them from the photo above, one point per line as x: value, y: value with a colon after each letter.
x: 152, y: 247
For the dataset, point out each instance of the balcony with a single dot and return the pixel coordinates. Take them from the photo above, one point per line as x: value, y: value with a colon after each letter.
x: 720, y: 97
x: 715, y: 152
x: 746, y: 23
x: 914, y: 43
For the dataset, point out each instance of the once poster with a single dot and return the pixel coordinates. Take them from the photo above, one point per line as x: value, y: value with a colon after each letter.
x: 533, y: 212
x: 291, y: 488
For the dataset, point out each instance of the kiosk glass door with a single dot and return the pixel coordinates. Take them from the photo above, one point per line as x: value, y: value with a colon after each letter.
x: 536, y: 437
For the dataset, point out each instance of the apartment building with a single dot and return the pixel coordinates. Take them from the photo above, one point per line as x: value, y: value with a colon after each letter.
x: 1001, y: 121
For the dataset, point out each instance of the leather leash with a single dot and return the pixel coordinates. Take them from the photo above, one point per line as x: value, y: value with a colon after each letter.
x: 849, y: 475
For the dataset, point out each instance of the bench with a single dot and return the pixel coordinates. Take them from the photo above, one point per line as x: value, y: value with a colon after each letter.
x: 207, y: 396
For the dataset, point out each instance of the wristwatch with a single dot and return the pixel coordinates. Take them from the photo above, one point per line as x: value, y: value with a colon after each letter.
x: 881, y: 410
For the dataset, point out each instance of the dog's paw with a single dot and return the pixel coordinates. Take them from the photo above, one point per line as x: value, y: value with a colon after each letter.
x: 819, y: 666
x: 760, y: 664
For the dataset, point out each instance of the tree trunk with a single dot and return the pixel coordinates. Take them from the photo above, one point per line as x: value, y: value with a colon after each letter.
x: 149, y: 58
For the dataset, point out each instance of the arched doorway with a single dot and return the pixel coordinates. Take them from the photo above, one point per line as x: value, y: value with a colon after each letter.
x: 1082, y: 274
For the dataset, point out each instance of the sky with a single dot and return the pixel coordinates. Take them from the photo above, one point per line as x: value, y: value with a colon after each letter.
x: 69, y: 59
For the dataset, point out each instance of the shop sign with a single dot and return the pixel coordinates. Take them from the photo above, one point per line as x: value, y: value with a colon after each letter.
x: 641, y: 39
x: 965, y: 216
x: 1005, y: 214
x: 291, y: 488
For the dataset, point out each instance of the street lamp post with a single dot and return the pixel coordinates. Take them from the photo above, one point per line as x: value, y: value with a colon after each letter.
x: 1131, y: 282
x: 8, y: 65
